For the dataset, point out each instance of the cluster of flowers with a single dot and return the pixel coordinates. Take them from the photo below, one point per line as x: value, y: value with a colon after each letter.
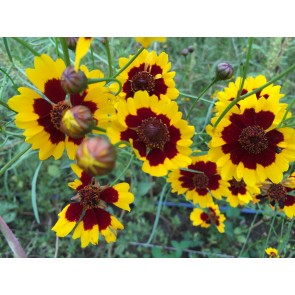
x: 247, y: 155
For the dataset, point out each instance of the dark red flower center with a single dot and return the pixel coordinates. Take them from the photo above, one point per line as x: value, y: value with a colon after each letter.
x: 253, y: 139
x: 212, y: 217
x: 90, y: 197
x: 143, y: 81
x: 200, y: 180
x: 277, y: 193
x: 57, y: 113
x: 153, y: 132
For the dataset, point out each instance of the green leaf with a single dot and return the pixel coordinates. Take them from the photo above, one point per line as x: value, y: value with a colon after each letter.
x: 53, y: 170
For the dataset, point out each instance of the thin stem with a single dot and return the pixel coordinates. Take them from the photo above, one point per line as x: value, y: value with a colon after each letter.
x: 13, y: 160
x: 194, y: 97
x: 12, y: 241
x: 91, y: 81
x: 124, y: 170
x: 65, y: 50
x: 269, y: 233
x: 238, y: 98
x: 25, y: 44
x: 99, y: 129
x: 56, y: 246
x: 157, y: 214
x: 7, y: 49
x: 129, y: 62
x: 14, y: 86
x: 6, y: 106
x: 248, y: 235
x: 107, y: 46
x: 198, y: 98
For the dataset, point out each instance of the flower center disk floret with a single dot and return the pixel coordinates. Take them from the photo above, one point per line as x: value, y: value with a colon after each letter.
x: 143, y: 81
x: 153, y: 132
x: 253, y: 139
x: 57, y: 112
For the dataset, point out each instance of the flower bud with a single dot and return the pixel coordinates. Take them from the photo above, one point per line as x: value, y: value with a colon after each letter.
x: 224, y: 71
x: 72, y: 42
x: 184, y: 52
x: 191, y: 49
x: 72, y: 81
x: 96, y: 156
x: 77, y: 121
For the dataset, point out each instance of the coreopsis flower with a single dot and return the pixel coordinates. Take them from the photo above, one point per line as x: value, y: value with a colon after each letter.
x: 154, y: 128
x: 147, y: 41
x: 200, y: 186
x: 272, y: 252
x: 41, y: 112
x: 148, y: 72
x: 207, y: 217
x: 88, y: 212
x: 247, y: 143
x: 281, y: 194
x: 96, y: 156
x: 229, y: 93
x: 240, y: 193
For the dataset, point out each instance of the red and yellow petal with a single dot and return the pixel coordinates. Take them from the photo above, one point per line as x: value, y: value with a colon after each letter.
x: 147, y: 41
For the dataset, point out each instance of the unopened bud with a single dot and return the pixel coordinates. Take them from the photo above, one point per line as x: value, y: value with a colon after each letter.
x: 96, y: 156
x: 184, y: 52
x: 77, y: 121
x: 191, y: 49
x: 224, y: 71
x: 72, y: 81
x: 72, y: 42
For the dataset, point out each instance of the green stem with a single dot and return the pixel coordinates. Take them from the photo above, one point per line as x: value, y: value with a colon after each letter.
x: 7, y: 75
x: 239, y: 97
x: 65, y: 50
x: 12, y: 241
x: 248, y: 235
x: 7, y: 49
x: 56, y: 46
x: 269, y: 233
x: 13, y: 160
x: 99, y: 129
x: 107, y: 46
x: 194, y: 97
x: 129, y: 62
x: 157, y: 214
x: 91, y: 81
x: 198, y: 98
x: 25, y: 44
x: 6, y: 106
x: 124, y: 170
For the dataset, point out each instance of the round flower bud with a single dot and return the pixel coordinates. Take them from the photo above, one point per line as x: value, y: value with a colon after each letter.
x: 96, y: 156
x: 72, y: 42
x: 191, y: 49
x: 184, y: 52
x: 77, y: 121
x: 224, y: 71
x: 72, y: 81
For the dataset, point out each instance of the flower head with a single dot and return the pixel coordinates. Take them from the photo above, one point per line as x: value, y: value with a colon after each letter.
x: 272, y: 252
x: 248, y: 144
x: 147, y: 41
x: 281, y: 195
x: 201, y: 185
x: 148, y: 72
x: 88, y: 212
x: 155, y: 130
x: 207, y: 217
x: 240, y: 193
x: 41, y: 112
